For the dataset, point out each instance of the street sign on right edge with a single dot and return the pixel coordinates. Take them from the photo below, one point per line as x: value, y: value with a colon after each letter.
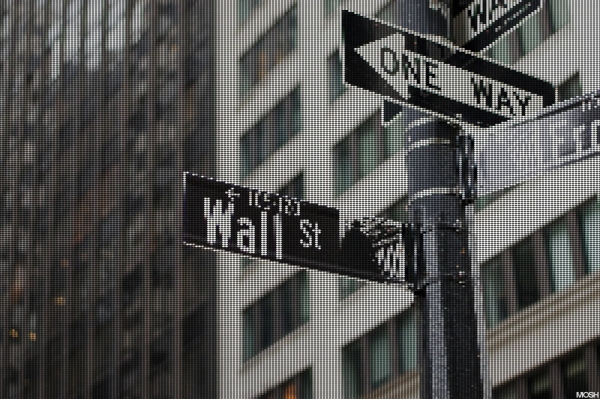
x: 564, y: 134
x: 479, y: 24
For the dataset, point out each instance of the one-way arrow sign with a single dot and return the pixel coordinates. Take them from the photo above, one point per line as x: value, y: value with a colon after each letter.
x: 436, y: 77
x: 564, y: 134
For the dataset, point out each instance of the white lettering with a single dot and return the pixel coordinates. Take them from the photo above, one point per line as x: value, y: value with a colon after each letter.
x: 311, y: 234
x: 391, y: 260
x: 264, y: 224
x: 305, y: 226
x: 218, y: 219
x: 278, y: 237
x: 248, y: 233
x: 587, y: 394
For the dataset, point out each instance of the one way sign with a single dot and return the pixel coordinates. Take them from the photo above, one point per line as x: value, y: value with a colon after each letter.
x: 436, y: 77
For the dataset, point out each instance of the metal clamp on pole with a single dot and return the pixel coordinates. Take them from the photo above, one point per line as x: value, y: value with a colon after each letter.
x: 414, y: 266
x: 466, y: 167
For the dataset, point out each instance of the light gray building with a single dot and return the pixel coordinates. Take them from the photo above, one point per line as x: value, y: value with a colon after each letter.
x: 285, y: 122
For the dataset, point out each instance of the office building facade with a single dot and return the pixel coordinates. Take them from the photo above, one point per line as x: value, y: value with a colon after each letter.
x: 104, y: 105
x: 287, y: 123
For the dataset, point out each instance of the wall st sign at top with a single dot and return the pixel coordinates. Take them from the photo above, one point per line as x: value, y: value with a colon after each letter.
x: 436, y: 77
x: 480, y: 23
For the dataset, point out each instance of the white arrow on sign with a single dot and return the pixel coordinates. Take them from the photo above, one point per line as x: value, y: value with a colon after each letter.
x: 402, y: 68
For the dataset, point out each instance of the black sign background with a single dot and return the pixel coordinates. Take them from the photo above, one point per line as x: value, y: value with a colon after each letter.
x: 359, y: 31
x: 328, y: 258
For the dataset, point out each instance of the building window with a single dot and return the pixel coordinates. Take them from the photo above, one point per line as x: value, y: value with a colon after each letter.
x: 347, y: 286
x: 275, y: 129
x: 524, y: 269
x: 364, y: 149
x: 559, y: 13
x: 352, y: 368
x: 295, y: 188
x: 575, y: 372
x: 539, y: 385
x: 560, y: 256
x: 335, y: 76
x: 275, y: 315
x: 569, y: 88
x: 298, y: 387
x: 246, y: 8
x: 505, y: 392
x: 268, y: 51
x: 574, y: 375
x: 589, y: 217
x: 367, y: 361
x: 550, y: 19
x: 406, y: 330
x: 496, y: 307
x: 379, y: 356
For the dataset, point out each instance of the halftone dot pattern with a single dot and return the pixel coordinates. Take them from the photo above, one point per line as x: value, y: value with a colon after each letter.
x: 104, y: 104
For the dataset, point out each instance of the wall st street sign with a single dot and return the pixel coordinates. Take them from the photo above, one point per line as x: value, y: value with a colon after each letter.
x: 437, y: 77
x: 564, y: 134
x: 265, y: 225
x: 480, y: 23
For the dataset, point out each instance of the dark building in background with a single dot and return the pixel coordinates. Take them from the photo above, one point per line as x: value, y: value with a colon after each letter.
x: 103, y: 105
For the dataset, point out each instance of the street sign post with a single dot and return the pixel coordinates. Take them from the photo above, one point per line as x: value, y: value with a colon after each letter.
x: 480, y: 23
x: 437, y: 77
x: 265, y: 225
x: 566, y: 133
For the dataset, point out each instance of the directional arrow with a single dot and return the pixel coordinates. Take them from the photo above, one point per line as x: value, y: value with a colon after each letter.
x: 436, y: 77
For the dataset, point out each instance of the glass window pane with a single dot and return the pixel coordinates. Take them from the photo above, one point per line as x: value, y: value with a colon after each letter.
x: 335, y: 76
x: 368, y: 149
x: 590, y: 225
x: 493, y: 291
x: 379, y: 352
x: 394, y: 136
x: 296, y: 111
x: 525, y: 274
x: 266, y: 321
x: 530, y: 34
x: 560, y: 257
x: 570, y: 88
x: 502, y: 50
x: 560, y: 14
x: 505, y: 392
x: 352, y: 367
x: 348, y: 285
x: 407, y: 340
x: 343, y: 166
x: 249, y: 328
x: 304, y: 298
x: 574, y: 376
x: 539, y: 385
x: 305, y: 385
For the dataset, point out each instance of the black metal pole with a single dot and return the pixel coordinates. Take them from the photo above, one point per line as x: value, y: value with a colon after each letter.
x: 449, y: 355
